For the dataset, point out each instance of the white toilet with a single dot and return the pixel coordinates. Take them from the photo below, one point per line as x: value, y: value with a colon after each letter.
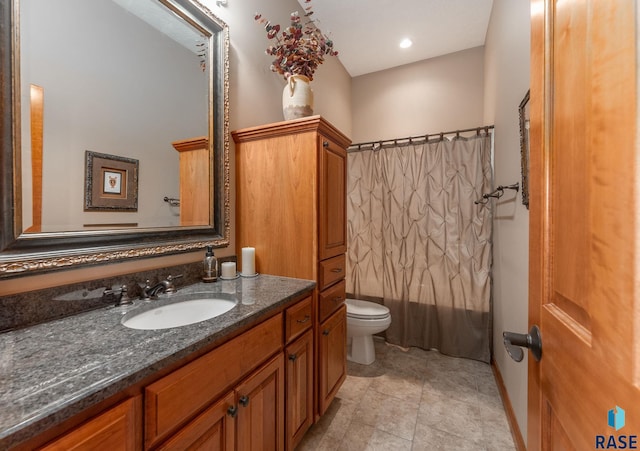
x: 363, y: 320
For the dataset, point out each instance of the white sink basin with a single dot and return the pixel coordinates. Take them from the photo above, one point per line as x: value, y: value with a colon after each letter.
x: 179, y: 314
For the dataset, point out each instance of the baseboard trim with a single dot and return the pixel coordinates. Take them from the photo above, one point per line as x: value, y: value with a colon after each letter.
x: 511, y: 417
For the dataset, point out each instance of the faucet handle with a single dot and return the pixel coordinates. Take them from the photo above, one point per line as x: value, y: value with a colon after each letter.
x: 170, y: 286
x: 145, y: 290
x: 124, y: 297
x: 120, y: 296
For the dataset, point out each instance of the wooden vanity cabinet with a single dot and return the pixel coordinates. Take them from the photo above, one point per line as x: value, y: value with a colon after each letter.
x: 249, y: 417
x: 230, y: 398
x: 174, y: 399
x: 291, y: 206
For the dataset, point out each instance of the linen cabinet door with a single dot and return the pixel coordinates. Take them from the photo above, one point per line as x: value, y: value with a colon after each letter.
x: 260, y: 399
x: 332, y: 338
x: 299, y: 388
x: 333, y: 199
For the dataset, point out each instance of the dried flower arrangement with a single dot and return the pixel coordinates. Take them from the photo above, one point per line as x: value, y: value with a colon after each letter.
x: 300, y: 48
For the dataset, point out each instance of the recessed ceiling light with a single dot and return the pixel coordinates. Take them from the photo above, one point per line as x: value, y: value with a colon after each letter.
x: 405, y: 43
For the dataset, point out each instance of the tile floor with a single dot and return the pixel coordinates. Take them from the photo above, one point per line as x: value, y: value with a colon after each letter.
x: 414, y: 400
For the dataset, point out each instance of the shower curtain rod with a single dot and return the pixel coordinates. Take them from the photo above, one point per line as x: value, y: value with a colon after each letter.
x: 409, y: 140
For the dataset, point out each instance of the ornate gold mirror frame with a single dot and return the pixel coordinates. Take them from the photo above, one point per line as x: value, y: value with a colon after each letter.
x: 31, y: 253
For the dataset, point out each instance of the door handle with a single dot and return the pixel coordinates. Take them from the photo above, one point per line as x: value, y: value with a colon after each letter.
x: 515, y: 342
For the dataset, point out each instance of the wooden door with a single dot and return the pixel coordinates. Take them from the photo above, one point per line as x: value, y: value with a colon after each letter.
x: 260, y: 420
x: 299, y: 388
x: 332, y: 360
x: 584, y: 225
x: 213, y: 430
x: 195, y: 181
x: 333, y: 199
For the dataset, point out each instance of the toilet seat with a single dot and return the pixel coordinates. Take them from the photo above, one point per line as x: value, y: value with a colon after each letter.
x: 366, y: 310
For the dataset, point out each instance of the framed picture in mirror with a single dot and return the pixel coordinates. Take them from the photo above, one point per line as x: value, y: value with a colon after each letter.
x: 523, y: 111
x: 111, y: 182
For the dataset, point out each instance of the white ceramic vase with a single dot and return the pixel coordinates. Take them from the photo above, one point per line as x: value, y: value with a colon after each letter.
x: 297, y: 98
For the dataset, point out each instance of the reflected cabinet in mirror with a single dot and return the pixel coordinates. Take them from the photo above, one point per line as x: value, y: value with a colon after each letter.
x: 114, y: 131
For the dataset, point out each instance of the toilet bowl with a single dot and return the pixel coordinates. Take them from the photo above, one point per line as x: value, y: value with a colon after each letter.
x: 363, y: 320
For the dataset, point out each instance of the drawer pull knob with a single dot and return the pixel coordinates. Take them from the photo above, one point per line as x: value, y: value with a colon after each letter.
x: 337, y: 299
x: 293, y: 357
x: 302, y: 321
x: 244, y: 400
x: 232, y: 411
x: 336, y: 270
x: 325, y: 143
x: 325, y: 332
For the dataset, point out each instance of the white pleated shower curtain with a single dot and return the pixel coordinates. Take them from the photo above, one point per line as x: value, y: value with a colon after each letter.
x: 419, y: 244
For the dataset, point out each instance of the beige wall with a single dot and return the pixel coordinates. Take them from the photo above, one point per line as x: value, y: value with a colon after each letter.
x: 506, y: 82
x: 255, y: 98
x: 430, y: 96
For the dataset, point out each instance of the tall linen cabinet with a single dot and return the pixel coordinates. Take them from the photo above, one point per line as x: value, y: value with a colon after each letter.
x: 291, y: 206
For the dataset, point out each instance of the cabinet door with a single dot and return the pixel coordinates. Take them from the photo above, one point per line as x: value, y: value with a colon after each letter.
x: 332, y: 339
x: 114, y: 429
x: 176, y: 398
x: 214, y: 429
x: 299, y: 388
x: 333, y: 199
x: 260, y: 398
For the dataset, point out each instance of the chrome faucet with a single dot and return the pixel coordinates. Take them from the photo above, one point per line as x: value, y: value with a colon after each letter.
x: 164, y: 286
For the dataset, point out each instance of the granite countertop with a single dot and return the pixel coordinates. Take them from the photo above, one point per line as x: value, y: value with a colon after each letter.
x: 52, y: 371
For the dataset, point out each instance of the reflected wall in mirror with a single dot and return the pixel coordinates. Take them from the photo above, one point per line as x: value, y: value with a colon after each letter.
x: 145, y: 80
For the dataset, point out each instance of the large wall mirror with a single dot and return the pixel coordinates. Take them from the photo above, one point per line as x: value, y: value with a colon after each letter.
x: 114, y: 131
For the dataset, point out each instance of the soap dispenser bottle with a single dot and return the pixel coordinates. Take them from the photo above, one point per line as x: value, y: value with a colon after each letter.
x: 210, y: 266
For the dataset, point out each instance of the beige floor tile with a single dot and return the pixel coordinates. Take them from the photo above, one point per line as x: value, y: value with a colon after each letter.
x: 414, y: 400
x: 455, y: 417
x: 399, y: 385
x: 354, y: 388
x: 383, y: 441
x: 357, y: 437
x: 432, y: 439
x: 388, y: 414
x: 499, y: 440
x: 454, y: 385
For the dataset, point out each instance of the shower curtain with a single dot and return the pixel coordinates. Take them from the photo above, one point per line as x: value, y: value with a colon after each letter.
x: 419, y: 244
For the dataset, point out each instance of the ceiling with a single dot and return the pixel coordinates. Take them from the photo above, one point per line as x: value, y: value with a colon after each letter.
x: 367, y: 33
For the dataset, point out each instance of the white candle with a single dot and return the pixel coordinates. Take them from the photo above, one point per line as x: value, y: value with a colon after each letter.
x: 248, y: 261
x: 228, y: 270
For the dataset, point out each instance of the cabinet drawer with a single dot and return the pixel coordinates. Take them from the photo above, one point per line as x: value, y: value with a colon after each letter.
x: 297, y: 319
x: 172, y: 400
x: 331, y: 271
x: 331, y: 299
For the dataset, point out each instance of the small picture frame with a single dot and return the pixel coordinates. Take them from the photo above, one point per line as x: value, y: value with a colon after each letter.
x: 523, y: 113
x: 111, y: 182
